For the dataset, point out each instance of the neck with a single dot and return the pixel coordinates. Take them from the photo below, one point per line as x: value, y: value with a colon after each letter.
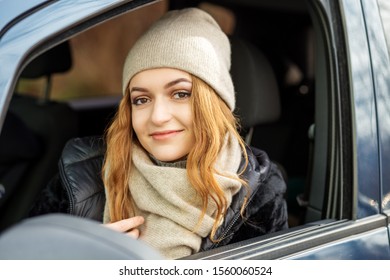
x: 180, y: 163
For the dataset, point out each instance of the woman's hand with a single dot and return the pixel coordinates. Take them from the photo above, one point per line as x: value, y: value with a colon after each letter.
x: 128, y: 226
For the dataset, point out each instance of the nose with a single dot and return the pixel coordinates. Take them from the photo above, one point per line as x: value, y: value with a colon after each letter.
x: 160, y: 112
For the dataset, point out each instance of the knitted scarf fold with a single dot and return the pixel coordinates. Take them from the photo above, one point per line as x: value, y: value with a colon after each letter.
x: 171, y: 206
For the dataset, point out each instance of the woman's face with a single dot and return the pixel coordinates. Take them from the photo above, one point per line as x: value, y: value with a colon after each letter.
x: 161, y: 112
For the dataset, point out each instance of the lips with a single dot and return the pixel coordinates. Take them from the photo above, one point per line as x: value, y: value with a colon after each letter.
x: 166, y: 134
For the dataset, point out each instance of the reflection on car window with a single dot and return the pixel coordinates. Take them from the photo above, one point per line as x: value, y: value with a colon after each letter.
x: 384, y: 9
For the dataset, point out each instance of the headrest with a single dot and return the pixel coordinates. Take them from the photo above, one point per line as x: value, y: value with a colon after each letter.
x: 55, y: 60
x: 257, y: 94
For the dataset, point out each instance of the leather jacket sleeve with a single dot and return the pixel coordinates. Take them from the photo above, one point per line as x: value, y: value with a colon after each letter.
x: 78, y: 188
x: 80, y: 172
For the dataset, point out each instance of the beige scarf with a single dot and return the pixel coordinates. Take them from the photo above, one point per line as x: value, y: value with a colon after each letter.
x: 171, y: 206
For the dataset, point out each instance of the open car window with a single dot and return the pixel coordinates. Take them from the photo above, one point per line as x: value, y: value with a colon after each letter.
x: 303, y: 86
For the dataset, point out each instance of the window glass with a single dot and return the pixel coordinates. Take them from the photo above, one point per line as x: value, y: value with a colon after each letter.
x: 384, y: 9
x: 383, y: 101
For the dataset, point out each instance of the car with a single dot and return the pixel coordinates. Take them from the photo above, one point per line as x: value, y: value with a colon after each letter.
x: 312, y: 83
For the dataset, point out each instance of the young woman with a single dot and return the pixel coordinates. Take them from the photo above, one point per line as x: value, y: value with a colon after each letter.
x: 177, y: 174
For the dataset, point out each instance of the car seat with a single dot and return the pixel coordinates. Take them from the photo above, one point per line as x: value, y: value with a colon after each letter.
x: 53, y: 123
x: 257, y: 95
x: 257, y: 99
x: 19, y: 148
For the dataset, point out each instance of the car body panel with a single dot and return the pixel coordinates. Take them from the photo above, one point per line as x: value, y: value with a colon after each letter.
x: 366, y: 246
x: 11, y: 12
x: 366, y: 234
x: 365, y: 121
x: 309, y: 241
x: 381, y: 73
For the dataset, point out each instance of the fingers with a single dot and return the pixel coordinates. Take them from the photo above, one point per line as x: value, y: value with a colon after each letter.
x: 127, y: 225
x: 133, y: 233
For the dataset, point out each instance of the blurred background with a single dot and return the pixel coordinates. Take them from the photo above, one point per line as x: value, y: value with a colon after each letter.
x: 106, y: 46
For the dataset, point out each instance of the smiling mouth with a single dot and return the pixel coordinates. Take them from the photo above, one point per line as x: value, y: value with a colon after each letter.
x: 162, y: 135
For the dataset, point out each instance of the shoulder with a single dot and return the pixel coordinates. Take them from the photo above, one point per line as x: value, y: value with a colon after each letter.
x: 265, y: 208
x: 261, y: 174
x: 80, y: 174
x: 83, y: 149
x: 265, y: 182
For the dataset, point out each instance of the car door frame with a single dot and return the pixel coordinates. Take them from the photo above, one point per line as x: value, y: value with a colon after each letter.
x: 344, y: 227
x: 353, y: 225
x: 380, y: 57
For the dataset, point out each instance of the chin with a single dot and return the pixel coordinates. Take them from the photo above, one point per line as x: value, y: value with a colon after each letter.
x: 169, y: 157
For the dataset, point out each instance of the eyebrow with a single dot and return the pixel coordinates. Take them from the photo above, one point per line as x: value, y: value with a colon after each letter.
x: 180, y: 80
x: 168, y: 85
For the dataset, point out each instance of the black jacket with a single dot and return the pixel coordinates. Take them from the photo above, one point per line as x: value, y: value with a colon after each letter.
x: 78, y: 190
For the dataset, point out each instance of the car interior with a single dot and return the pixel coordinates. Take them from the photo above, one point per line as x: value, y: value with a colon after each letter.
x: 277, y: 56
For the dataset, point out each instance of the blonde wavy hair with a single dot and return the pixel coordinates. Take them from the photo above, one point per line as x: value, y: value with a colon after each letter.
x: 212, y: 120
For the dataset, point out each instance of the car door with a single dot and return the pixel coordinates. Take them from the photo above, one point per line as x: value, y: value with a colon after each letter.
x: 347, y: 205
x: 359, y: 76
x: 380, y: 48
x: 365, y: 79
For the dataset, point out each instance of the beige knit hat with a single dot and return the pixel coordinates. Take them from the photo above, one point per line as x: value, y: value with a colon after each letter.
x: 188, y: 40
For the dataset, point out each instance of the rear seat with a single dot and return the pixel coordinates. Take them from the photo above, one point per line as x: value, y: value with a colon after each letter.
x: 257, y: 100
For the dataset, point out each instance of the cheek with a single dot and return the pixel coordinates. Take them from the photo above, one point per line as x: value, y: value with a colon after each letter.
x: 137, y: 123
x: 187, y: 116
x: 188, y: 121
